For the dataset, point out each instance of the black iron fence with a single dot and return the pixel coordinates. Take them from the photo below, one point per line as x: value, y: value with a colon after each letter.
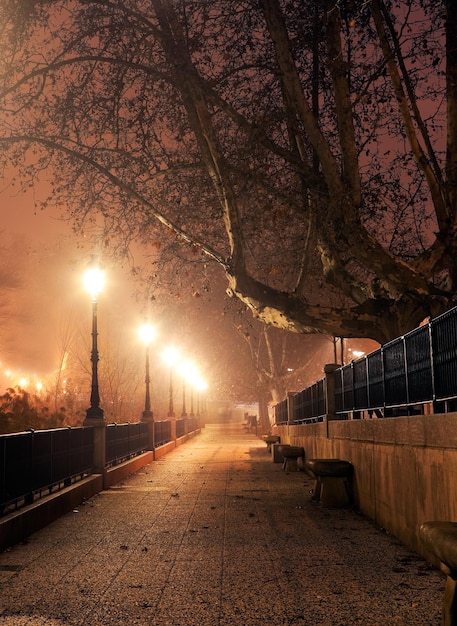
x: 124, y: 441
x: 307, y: 406
x: 309, y: 403
x: 180, y: 427
x: 399, y: 378
x: 34, y: 463
x: 37, y: 461
x: 162, y: 432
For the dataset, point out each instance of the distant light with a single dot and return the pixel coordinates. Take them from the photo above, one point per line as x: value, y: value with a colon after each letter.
x: 22, y: 382
x: 290, y: 369
x: 39, y: 386
x: 201, y: 384
x: 186, y: 368
x: 170, y: 355
x: 357, y: 353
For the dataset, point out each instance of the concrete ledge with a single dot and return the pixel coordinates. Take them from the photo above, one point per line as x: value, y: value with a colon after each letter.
x: 18, y: 525
x: 163, y: 450
x: 118, y: 472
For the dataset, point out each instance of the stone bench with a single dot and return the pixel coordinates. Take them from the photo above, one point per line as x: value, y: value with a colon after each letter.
x: 291, y: 454
x: 440, y: 538
x: 277, y: 450
x: 332, y: 481
x: 270, y: 439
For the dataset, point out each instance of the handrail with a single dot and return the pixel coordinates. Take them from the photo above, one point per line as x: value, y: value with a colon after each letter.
x: 41, y: 460
x: 417, y: 368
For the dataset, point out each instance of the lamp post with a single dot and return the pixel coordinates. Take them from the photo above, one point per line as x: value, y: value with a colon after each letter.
x: 170, y: 356
x: 185, y: 369
x: 183, y: 412
x: 147, y: 334
x: 192, y: 400
x: 201, y: 387
x: 94, y: 279
x: 194, y: 378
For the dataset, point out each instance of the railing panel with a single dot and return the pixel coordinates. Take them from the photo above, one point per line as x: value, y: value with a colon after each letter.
x: 339, y: 394
x: 61, y: 446
x: 301, y: 405
x: 348, y: 388
x: 17, y: 465
x: 280, y: 409
x: 375, y: 380
x: 360, y: 371
x: 395, y: 388
x: 36, y: 460
x: 180, y: 427
x: 162, y: 432
x: 444, y: 350
x: 419, y: 365
x: 125, y: 440
x: 321, y: 399
x: 310, y: 403
x: 42, y: 459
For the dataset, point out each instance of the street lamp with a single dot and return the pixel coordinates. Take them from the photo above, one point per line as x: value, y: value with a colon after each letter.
x: 147, y: 334
x: 94, y: 280
x: 170, y: 357
x: 193, y: 377
x: 185, y: 370
x: 201, y: 387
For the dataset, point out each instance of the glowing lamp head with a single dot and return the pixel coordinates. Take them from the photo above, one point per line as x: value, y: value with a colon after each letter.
x: 170, y: 356
x: 94, y: 281
x: 147, y: 333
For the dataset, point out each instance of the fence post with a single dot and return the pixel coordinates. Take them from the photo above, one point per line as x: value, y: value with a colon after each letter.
x: 290, y: 408
x: 99, y: 426
x: 329, y: 371
x: 173, y: 428
x: 148, y: 418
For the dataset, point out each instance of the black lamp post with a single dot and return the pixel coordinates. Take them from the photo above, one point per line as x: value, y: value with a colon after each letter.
x: 94, y: 280
x: 185, y: 370
x: 192, y: 401
x: 147, y: 334
x: 183, y: 413
x: 170, y: 356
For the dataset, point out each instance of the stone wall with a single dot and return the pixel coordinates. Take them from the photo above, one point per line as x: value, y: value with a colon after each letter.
x: 405, y: 468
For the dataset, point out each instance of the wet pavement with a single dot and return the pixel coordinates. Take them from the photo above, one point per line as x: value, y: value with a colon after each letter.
x: 215, y: 534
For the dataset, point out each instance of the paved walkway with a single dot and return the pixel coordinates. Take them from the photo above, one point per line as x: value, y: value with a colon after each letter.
x: 215, y: 534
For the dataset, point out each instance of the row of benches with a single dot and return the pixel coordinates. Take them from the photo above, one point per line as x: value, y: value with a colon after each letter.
x: 333, y: 485
x: 333, y: 488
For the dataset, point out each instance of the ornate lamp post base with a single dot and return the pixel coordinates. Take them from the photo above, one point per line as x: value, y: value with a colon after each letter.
x: 95, y: 414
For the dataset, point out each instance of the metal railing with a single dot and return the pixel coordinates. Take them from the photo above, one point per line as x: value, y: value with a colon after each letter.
x: 310, y: 403
x: 416, y: 369
x: 41, y: 460
x: 35, y: 463
x: 162, y: 432
x: 124, y: 441
x: 180, y: 427
x: 306, y: 406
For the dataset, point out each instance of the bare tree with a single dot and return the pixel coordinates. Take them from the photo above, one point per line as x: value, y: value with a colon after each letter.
x: 309, y: 148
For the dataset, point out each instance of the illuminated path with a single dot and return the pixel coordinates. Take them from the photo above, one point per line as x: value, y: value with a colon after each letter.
x: 215, y: 534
